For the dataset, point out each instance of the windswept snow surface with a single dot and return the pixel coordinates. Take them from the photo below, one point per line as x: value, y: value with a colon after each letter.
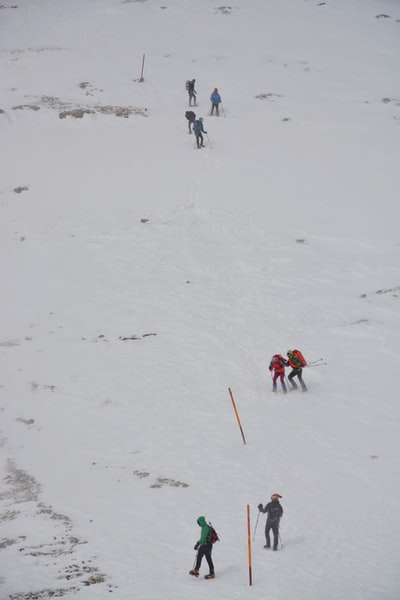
x: 141, y: 278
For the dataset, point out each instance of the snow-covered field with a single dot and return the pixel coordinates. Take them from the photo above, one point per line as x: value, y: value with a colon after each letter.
x: 141, y: 278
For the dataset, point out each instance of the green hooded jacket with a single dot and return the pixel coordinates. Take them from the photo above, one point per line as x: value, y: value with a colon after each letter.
x: 205, y: 530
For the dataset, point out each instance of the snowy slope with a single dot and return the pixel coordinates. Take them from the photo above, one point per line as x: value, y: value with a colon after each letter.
x: 142, y: 278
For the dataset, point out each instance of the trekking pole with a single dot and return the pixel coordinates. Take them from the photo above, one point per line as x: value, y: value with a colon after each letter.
x: 311, y: 362
x: 255, y: 528
x: 209, y: 141
x: 318, y: 365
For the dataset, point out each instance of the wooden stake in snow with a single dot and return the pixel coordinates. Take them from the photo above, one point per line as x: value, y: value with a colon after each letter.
x: 249, y: 546
x: 237, y: 416
x: 141, y: 76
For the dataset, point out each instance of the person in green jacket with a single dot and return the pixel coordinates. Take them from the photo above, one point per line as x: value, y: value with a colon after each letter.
x: 204, y: 548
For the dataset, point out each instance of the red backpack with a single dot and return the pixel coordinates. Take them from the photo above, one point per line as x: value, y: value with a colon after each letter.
x: 301, y: 358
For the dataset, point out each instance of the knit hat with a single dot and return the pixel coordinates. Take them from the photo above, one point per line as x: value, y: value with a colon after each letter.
x: 275, y: 496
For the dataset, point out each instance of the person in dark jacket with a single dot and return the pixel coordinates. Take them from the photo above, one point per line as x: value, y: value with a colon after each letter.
x: 204, y: 548
x: 215, y: 99
x: 191, y: 117
x: 192, y: 92
x: 297, y: 370
x: 275, y: 512
x: 198, y: 129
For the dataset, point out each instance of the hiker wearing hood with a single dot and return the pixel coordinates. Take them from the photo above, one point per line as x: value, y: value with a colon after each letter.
x: 204, y: 548
x: 198, y: 129
x: 297, y: 370
x: 275, y: 511
x: 215, y: 100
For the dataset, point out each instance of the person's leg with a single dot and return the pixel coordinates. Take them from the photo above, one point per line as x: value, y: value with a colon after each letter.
x: 274, y: 380
x: 267, y: 537
x: 200, y: 553
x: 275, y: 531
x: 283, y: 384
x: 207, y: 554
x: 292, y: 383
x: 303, y: 385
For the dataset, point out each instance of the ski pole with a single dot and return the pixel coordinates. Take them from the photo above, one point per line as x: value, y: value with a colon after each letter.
x: 311, y: 362
x: 209, y: 141
x: 223, y: 111
x: 280, y: 540
x: 255, y: 528
x: 319, y: 365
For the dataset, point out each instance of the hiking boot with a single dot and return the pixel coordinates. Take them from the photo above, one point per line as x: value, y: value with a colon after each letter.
x: 210, y: 576
x: 194, y: 572
x: 267, y: 546
x: 274, y: 388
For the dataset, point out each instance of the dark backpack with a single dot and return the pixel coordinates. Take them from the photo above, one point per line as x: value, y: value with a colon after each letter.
x: 212, y: 535
x: 197, y: 126
x: 188, y: 85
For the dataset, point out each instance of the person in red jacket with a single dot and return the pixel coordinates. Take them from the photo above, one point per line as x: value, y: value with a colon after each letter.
x: 277, y: 365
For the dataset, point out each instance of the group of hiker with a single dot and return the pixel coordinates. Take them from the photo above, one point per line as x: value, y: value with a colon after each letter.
x: 197, y: 125
x: 277, y: 366
x: 296, y: 361
x: 209, y: 536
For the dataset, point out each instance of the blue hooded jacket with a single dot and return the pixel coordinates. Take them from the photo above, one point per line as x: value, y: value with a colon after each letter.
x: 198, y: 126
x: 215, y: 98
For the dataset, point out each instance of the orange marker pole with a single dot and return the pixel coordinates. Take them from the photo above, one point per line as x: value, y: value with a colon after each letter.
x: 141, y: 76
x: 249, y: 545
x: 237, y: 416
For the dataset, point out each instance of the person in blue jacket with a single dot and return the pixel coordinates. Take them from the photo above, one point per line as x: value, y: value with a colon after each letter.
x: 215, y: 102
x: 198, y: 129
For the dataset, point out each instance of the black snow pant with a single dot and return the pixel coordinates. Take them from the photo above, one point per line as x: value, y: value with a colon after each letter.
x: 192, y: 96
x: 199, y: 139
x: 216, y: 106
x: 205, y: 550
x: 275, y: 531
x: 297, y: 373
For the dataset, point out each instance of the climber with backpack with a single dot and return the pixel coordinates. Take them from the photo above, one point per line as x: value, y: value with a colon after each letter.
x: 191, y: 117
x: 277, y: 365
x: 191, y: 91
x: 204, y: 547
x: 297, y: 361
x: 198, y: 129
